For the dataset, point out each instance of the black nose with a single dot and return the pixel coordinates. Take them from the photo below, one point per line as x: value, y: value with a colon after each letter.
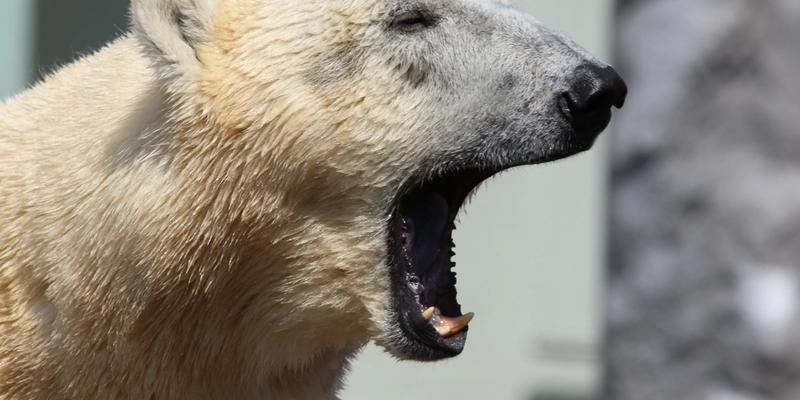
x: 593, y: 91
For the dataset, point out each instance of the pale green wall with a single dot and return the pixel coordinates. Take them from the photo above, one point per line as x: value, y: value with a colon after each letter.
x: 15, y: 45
x: 530, y: 261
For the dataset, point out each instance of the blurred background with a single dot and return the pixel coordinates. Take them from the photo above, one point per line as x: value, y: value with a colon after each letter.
x: 660, y: 265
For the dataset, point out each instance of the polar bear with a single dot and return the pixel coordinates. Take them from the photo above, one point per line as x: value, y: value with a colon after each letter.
x: 233, y: 198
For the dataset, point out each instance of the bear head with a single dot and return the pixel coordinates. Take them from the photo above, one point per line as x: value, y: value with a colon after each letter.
x: 348, y: 134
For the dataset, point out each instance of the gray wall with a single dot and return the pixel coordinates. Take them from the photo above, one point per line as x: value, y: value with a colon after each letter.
x: 68, y: 28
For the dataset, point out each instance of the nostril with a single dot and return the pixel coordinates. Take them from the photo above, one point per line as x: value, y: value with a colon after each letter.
x: 595, y: 89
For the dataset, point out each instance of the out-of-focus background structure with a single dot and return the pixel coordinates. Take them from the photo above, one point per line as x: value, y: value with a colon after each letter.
x: 704, y: 295
x: 684, y: 286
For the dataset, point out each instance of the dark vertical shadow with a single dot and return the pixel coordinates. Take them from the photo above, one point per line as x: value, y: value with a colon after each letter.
x: 66, y: 29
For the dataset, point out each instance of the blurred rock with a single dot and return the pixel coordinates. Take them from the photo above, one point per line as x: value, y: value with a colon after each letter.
x: 704, y: 297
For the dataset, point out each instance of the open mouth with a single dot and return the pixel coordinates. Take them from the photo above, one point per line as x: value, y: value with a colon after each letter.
x: 422, y: 248
x: 421, y: 252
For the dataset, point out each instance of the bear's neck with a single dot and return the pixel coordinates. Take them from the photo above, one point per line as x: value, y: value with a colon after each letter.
x: 135, y: 280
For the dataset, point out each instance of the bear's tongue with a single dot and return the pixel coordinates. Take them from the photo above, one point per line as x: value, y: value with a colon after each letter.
x: 425, y: 218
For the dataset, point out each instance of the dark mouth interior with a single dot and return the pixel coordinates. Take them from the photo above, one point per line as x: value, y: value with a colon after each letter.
x: 424, y: 225
x: 426, y: 236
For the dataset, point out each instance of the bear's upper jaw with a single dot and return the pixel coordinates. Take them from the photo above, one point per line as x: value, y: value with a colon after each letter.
x: 424, y: 283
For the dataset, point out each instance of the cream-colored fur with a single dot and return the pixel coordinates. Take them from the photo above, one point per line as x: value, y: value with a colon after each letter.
x: 175, y: 231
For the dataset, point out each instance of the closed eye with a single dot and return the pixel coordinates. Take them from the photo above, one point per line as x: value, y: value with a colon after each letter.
x: 414, y: 20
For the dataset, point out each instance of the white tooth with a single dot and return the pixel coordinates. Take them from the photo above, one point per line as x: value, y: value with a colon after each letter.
x: 442, y: 329
x: 449, y: 326
x: 428, y: 313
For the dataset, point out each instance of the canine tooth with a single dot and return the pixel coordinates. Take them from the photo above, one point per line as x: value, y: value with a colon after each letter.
x: 442, y: 330
x: 449, y: 326
x: 429, y: 313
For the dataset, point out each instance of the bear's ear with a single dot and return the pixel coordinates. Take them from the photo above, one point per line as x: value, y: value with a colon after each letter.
x: 172, y: 29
